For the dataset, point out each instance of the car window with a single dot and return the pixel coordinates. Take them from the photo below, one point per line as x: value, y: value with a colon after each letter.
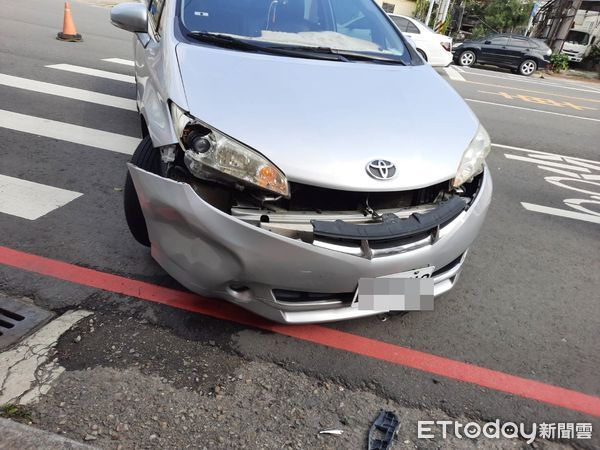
x: 498, y: 41
x: 412, y: 28
x: 400, y: 22
x: 357, y: 25
x: 520, y: 42
x: 577, y: 37
x: 405, y: 25
x: 155, y: 8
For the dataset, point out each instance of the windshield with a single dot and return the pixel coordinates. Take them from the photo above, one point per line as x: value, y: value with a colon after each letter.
x: 578, y: 38
x: 344, y: 25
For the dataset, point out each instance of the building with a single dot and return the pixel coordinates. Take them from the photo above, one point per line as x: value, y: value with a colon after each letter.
x: 403, y: 7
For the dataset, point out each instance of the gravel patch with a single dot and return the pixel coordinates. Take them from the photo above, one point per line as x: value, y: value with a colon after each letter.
x: 259, y: 406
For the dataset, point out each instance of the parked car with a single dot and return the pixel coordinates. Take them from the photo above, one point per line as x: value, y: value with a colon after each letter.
x: 521, y: 54
x: 433, y: 47
x: 276, y: 168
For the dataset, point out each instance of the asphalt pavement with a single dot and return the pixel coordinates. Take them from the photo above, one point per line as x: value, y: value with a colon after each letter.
x: 527, y: 303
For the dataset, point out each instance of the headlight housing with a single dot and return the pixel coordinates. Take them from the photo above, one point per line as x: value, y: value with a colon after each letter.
x: 473, y: 157
x: 208, y: 151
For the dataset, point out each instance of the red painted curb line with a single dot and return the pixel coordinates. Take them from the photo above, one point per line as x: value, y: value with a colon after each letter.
x: 395, y: 354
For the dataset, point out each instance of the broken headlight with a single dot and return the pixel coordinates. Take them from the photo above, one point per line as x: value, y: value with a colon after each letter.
x: 473, y: 157
x: 208, y: 151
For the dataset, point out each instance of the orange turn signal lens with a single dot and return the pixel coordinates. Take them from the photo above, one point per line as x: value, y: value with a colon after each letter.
x: 267, y: 176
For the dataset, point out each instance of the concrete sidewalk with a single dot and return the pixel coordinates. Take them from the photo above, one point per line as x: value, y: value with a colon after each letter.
x: 16, y: 435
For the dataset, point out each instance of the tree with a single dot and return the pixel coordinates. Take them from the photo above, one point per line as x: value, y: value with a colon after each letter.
x: 498, y: 15
x: 506, y: 15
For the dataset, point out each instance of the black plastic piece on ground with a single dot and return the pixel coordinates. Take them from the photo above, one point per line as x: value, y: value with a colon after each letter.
x: 383, y: 431
x: 392, y: 226
x: 69, y: 37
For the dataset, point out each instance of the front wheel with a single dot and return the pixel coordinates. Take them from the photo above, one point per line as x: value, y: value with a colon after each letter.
x: 467, y: 58
x: 527, y: 67
x: 148, y: 158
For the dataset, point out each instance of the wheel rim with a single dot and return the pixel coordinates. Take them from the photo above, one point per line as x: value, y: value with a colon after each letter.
x: 467, y: 58
x: 528, y: 67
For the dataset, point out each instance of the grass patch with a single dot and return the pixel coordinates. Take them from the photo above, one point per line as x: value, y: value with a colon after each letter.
x: 16, y: 412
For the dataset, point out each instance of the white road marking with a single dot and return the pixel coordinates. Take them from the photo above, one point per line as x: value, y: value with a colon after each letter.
x: 561, y: 212
x: 574, y: 175
x: 528, y: 150
x: 68, y: 132
x: 30, y: 200
x: 532, y: 110
x: 453, y: 74
x: 521, y: 79
x: 93, y: 72
x: 67, y: 92
x: 546, y: 163
x: 125, y: 62
x: 28, y: 370
x: 460, y: 69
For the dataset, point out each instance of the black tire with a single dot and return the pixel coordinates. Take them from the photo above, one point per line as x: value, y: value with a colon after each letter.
x: 423, y: 55
x: 528, y: 67
x: 148, y: 158
x: 467, y: 58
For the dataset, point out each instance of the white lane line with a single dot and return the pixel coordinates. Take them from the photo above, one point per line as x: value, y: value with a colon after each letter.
x: 528, y: 81
x: 68, y: 132
x: 125, y: 62
x: 67, y: 92
x: 453, y: 74
x: 30, y: 200
x: 561, y: 212
x: 93, y: 72
x: 532, y: 110
x: 460, y: 69
x: 527, y: 150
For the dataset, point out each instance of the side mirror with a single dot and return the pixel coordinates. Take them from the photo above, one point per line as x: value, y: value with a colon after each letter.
x: 130, y: 17
x: 487, y: 42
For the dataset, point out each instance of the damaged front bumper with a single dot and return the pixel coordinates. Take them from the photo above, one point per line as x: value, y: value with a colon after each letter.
x: 296, y: 268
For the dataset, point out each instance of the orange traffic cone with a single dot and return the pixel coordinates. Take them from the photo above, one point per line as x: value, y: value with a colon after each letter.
x: 69, y: 33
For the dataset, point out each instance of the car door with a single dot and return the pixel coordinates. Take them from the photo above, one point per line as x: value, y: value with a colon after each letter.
x: 493, y: 50
x: 519, y: 49
x: 148, y: 66
x: 413, y: 32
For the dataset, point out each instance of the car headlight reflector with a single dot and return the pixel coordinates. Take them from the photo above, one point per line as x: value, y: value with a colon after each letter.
x: 473, y: 157
x: 207, y: 149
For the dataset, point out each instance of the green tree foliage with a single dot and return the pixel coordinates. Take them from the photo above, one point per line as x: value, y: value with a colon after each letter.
x: 421, y: 9
x: 500, y: 16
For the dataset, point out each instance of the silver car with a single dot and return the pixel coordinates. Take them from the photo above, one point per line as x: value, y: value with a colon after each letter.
x: 293, y: 147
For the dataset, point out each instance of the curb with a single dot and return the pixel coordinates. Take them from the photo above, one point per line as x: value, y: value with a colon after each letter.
x: 24, y: 437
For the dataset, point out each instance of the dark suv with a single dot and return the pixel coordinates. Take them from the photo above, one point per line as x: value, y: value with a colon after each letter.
x: 521, y: 54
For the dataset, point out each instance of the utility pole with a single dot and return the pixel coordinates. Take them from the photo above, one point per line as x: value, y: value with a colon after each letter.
x: 567, y: 17
x: 429, y: 11
x: 441, y: 15
x: 534, y: 11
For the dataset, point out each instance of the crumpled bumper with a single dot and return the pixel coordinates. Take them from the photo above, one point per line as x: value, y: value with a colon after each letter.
x: 217, y: 255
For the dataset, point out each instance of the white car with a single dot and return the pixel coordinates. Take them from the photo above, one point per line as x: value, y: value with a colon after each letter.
x: 433, y: 47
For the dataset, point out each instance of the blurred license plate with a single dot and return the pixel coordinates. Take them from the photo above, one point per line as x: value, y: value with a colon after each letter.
x: 404, y: 291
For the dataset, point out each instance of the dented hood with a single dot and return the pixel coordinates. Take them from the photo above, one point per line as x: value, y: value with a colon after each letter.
x: 322, y: 122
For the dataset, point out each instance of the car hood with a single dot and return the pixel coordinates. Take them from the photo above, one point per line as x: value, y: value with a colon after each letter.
x: 322, y: 122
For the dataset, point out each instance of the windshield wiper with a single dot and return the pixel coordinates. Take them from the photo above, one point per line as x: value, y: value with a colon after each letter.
x: 360, y: 56
x: 346, y: 55
x: 226, y: 41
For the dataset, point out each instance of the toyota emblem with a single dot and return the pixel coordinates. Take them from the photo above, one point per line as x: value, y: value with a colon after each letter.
x: 380, y: 169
